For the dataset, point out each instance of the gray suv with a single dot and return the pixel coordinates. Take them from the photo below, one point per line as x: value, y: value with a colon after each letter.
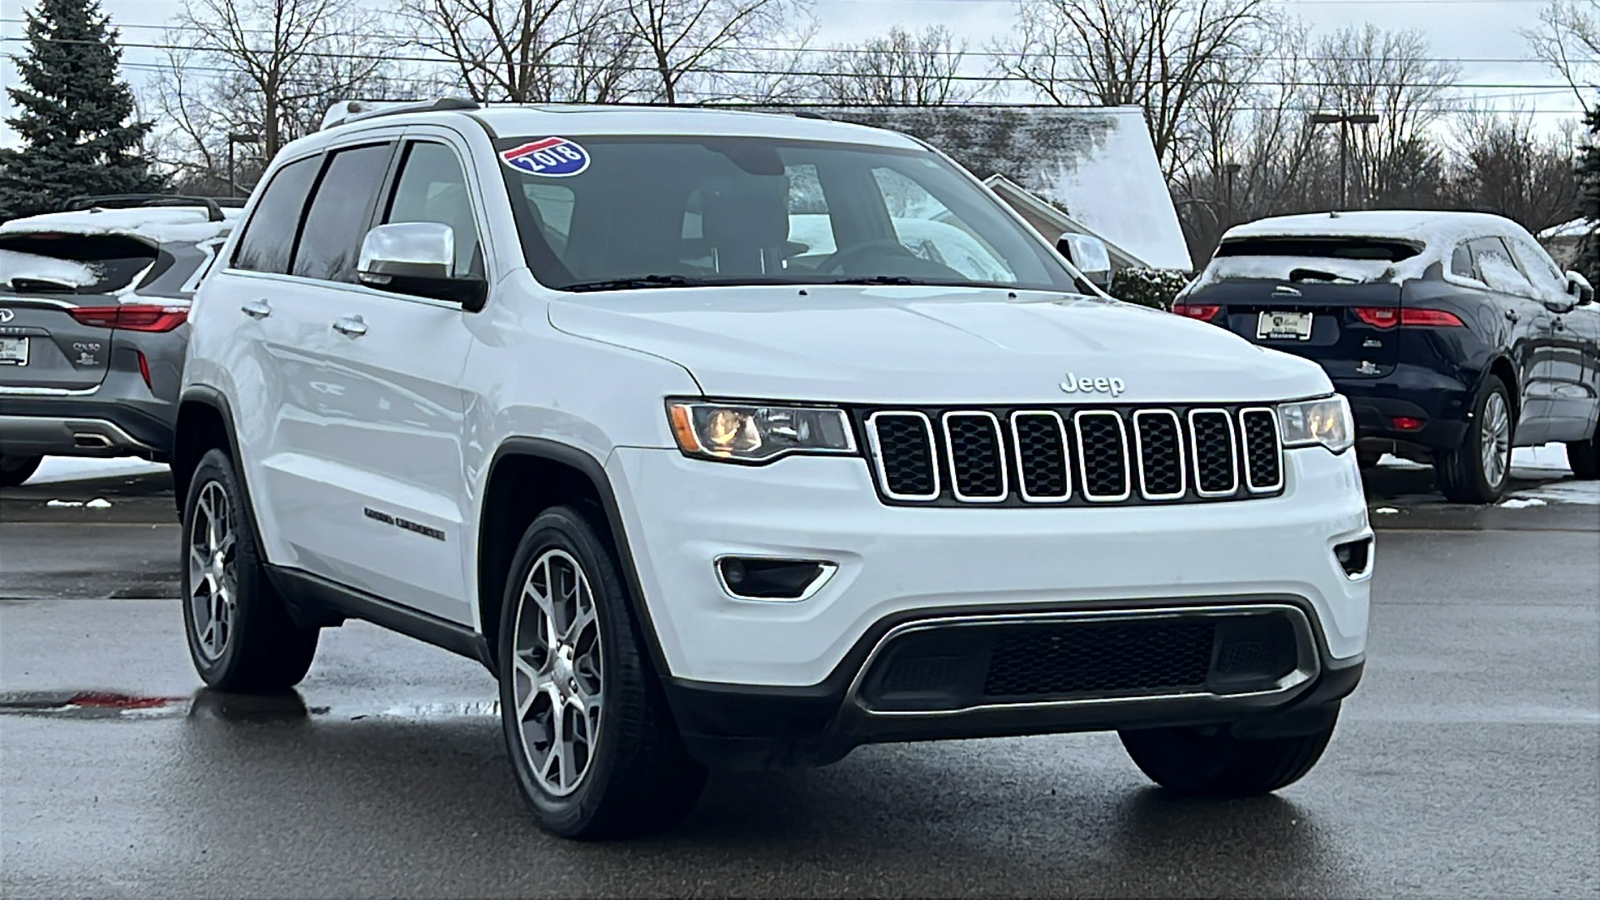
x: 94, y: 303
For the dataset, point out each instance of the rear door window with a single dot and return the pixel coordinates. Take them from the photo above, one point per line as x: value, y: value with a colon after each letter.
x: 268, y: 241
x: 340, y: 211
x: 1461, y: 262
x: 1497, y: 269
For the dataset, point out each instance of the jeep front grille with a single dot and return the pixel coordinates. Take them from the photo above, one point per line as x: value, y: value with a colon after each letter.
x: 1034, y: 457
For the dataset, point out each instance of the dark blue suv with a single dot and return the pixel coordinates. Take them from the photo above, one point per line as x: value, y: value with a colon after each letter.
x: 1454, y: 335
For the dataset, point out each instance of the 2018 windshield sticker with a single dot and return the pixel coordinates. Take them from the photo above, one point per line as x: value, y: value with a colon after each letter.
x: 551, y: 157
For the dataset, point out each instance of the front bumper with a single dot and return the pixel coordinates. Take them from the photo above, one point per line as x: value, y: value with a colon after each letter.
x: 759, y: 683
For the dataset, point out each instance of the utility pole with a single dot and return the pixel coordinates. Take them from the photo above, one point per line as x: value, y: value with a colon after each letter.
x: 1229, y: 171
x: 1344, y: 121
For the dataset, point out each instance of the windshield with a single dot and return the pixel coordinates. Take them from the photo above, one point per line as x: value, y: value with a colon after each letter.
x: 668, y: 211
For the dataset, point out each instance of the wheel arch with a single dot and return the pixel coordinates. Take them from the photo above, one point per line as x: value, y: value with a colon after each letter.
x: 526, y: 477
x: 1501, y: 365
x: 204, y: 423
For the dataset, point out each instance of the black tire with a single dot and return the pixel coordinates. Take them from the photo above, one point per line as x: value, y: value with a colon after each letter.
x: 633, y: 776
x: 1462, y: 473
x: 14, y: 470
x: 1584, y: 457
x: 254, y: 647
x: 1210, y: 762
x: 1367, y: 459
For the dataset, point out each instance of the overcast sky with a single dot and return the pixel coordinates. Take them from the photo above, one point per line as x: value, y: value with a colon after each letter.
x: 1475, y: 31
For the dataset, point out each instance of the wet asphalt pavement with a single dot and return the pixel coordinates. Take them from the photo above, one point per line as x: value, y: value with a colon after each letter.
x: 1467, y: 763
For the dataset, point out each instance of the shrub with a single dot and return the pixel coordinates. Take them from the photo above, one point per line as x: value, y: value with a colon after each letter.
x: 1148, y: 287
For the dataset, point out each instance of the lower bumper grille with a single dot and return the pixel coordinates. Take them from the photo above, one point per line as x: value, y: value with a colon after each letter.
x: 951, y: 665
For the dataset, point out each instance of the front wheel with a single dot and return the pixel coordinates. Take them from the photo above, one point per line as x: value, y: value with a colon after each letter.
x: 14, y: 470
x: 1478, y: 470
x: 594, y: 748
x: 1584, y: 457
x: 1208, y: 761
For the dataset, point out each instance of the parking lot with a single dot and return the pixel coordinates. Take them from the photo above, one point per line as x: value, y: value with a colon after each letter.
x: 1467, y: 763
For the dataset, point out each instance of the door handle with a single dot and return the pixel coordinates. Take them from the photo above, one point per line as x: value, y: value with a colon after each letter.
x: 350, y: 326
x: 256, y: 309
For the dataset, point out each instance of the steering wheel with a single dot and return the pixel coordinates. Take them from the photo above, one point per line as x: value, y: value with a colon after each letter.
x: 837, y: 261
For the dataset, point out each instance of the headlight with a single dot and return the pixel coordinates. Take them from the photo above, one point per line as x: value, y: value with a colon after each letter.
x: 1325, y: 421
x: 754, y: 433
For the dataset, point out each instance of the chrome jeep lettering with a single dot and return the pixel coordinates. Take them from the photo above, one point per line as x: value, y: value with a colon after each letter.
x: 1112, y: 386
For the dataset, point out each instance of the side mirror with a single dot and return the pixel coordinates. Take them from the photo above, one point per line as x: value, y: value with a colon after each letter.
x: 1579, y: 287
x: 418, y: 258
x: 1088, y: 255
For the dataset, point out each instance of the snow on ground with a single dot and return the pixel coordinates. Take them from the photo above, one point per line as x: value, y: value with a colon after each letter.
x: 1586, y: 493
x: 1549, y: 457
x: 57, y: 469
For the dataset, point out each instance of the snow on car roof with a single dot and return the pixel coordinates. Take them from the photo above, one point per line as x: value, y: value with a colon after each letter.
x: 1576, y: 228
x: 623, y: 120
x: 161, y: 224
x: 1432, y: 227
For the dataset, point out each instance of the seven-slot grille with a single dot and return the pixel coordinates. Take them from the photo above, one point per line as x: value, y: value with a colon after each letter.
x: 1033, y: 457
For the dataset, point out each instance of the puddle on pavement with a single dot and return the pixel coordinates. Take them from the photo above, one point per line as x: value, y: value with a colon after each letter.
x: 207, y: 704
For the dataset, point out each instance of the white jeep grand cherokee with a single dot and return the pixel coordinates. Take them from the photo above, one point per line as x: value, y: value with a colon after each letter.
x: 727, y: 439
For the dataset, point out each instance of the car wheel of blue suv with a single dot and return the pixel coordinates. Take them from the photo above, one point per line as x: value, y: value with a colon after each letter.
x: 1478, y: 470
x: 593, y: 744
x: 241, y: 636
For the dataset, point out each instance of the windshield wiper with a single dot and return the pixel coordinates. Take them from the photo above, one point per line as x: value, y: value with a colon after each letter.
x: 636, y: 283
x: 880, y: 279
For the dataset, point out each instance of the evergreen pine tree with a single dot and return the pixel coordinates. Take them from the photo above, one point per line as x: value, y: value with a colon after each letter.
x: 73, y: 114
x: 1589, y: 198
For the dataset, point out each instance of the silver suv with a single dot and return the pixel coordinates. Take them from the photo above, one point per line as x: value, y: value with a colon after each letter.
x: 93, y: 306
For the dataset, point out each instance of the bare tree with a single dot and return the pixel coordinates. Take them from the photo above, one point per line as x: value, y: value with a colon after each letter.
x: 525, y: 51
x: 692, y: 46
x: 1568, y: 40
x: 1147, y: 53
x: 899, y: 69
x: 1389, y: 74
x: 1505, y: 166
x: 291, y: 56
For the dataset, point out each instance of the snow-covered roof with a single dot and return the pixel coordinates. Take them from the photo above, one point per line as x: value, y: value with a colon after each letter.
x: 161, y: 224
x: 1577, y: 228
x: 1432, y: 228
x: 1095, y: 163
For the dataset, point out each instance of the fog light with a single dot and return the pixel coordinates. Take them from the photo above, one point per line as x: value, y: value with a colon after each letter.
x: 763, y: 578
x: 1353, y: 556
x: 1407, y: 423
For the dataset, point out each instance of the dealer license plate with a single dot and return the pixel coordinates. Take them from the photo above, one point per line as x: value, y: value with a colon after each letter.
x: 13, y: 351
x: 1284, y: 326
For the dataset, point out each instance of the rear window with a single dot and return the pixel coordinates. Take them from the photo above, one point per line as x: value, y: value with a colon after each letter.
x: 1323, y: 248
x: 59, y: 263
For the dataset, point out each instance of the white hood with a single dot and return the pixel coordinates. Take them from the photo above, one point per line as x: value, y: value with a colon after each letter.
x: 934, y: 346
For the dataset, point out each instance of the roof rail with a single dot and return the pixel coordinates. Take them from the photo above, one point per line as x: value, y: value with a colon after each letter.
x: 354, y: 110
x: 128, y: 201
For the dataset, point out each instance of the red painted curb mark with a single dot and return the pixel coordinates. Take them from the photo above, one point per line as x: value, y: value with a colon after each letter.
x: 107, y: 700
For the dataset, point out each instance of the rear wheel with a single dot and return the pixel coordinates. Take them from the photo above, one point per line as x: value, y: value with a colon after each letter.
x: 594, y: 748
x: 240, y: 635
x: 1478, y: 470
x: 1210, y: 762
x: 14, y: 470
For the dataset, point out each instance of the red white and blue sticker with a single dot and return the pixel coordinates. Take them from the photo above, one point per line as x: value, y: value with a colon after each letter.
x: 552, y: 157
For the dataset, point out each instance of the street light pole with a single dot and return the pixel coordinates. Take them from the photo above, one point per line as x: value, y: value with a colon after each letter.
x: 235, y: 137
x: 1229, y: 171
x: 1344, y: 121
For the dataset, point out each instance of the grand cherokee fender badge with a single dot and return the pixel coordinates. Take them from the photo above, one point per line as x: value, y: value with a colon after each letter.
x: 1112, y: 386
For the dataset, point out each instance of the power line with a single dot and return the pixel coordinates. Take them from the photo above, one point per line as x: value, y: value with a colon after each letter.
x: 985, y: 54
x: 989, y: 79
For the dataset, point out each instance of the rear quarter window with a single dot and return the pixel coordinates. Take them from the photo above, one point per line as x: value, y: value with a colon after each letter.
x: 268, y: 240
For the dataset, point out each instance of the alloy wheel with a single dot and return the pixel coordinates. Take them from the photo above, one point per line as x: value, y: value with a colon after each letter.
x: 1495, y: 439
x: 558, y: 670
x: 212, y: 582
